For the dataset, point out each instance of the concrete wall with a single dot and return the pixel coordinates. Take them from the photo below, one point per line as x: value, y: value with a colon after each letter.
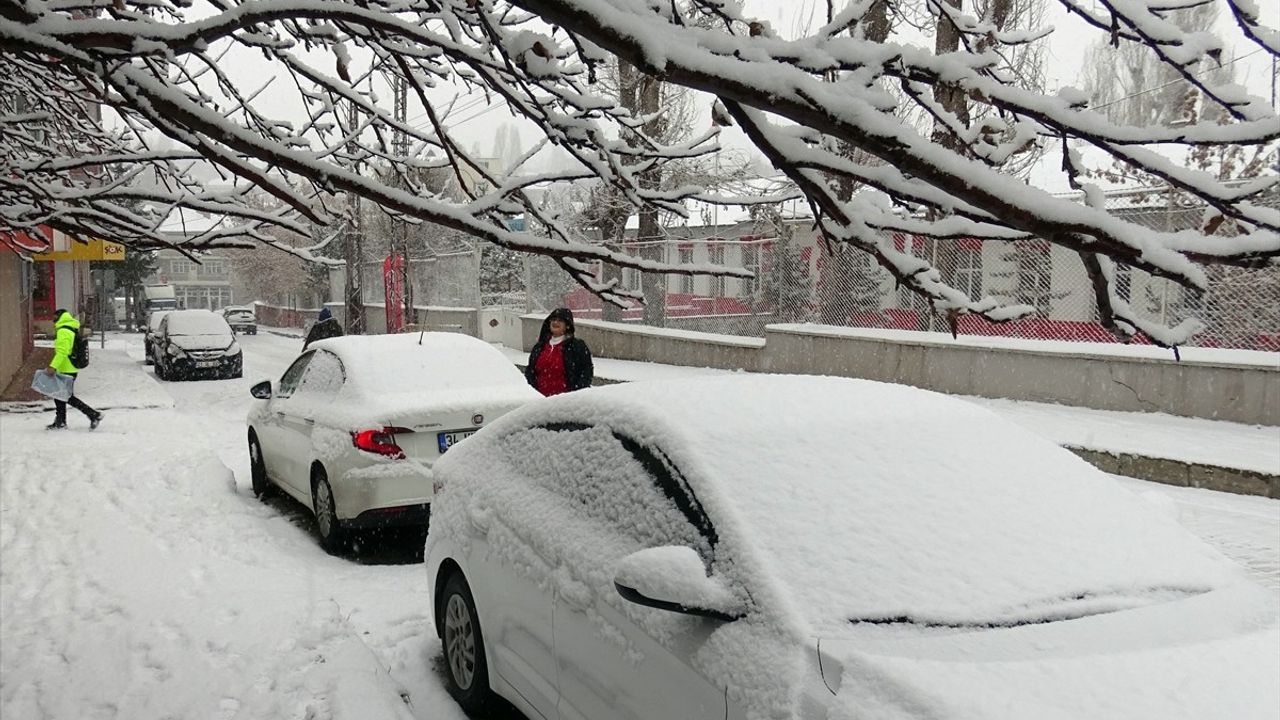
x: 429, y: 317
x: 500, y: 325
x: 448, y: 319
x: 1240, y: 393
x: 15, y: 315
x: 275, y: 316
x: 670, y: 347
x: 1216, y: 390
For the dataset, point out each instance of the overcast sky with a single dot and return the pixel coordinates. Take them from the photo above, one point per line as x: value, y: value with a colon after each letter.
x: 475, y: 120
x: 1064, y: 58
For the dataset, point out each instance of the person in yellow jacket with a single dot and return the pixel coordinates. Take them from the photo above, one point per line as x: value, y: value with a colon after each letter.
x: 65, y: 330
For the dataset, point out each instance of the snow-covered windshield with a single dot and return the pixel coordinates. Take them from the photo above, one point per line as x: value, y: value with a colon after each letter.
x: 197, y: 322
x: 876, y: 503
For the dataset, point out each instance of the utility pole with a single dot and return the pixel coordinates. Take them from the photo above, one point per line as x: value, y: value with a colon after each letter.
x: 354, y: 248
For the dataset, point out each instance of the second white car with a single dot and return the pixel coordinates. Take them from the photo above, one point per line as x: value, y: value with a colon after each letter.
x: 355, y: 424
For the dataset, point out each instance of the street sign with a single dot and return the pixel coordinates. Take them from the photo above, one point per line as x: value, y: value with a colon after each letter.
x: 95, y: 249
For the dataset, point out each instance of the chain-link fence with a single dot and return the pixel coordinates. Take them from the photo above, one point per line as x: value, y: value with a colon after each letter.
x: 798, y: 280
x: 443, y: 271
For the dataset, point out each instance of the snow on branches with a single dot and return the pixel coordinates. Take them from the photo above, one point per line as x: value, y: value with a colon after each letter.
x: 87, y: 87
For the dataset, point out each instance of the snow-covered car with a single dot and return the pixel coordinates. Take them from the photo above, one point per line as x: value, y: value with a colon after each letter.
x: 241, y: 319
x: 195, y: 343
x: 355, y: 424
x: 149, y: 337
x: 806, y: 547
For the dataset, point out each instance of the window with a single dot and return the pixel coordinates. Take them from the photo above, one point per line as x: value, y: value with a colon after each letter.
x: 290, y: 379
x: 715, y: 254
x: 181, y: 266
x: 43, y: 298
x: 1033, y: 267
x: 630, y: 279
x: 968, y: 275
x: 213, y: 266
x: 324, y: 375
x: 612, y: 483
x: 747, y: 287
x: 686, y: 281
x: 1124, y: 281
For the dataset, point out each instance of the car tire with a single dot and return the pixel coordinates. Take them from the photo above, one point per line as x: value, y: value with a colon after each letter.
x: 466, y: 670
x: 328, y: 527
x: 258, y: 468
x: 161, y: 373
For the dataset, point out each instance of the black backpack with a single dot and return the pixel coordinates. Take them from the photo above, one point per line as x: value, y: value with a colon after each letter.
x: 79, y: 351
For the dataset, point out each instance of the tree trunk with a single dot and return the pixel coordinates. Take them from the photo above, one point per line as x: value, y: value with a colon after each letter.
x: 649, y: 95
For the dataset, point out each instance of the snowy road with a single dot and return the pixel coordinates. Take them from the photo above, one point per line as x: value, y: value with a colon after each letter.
x: 140, y: 578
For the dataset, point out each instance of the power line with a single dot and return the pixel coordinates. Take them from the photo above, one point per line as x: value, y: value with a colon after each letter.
x: 1175, y: 81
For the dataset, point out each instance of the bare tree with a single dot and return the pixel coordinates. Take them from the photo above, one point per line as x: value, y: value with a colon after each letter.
x: 85, y: 85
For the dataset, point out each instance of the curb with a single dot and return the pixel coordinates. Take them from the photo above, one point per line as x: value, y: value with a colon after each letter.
x: 1181, y: 473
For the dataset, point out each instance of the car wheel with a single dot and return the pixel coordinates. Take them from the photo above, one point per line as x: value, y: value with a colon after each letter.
x: 258, y: 468
x: 466, y: 669
x: 327, y: 524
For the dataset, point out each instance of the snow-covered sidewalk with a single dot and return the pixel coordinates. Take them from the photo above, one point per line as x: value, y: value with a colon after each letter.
x: 112, y: 381
x: 140, y: 578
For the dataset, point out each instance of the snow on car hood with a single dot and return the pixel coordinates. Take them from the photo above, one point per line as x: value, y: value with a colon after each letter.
x: 202, y: 342
x: 870, y: 502
x: 1210, y: 656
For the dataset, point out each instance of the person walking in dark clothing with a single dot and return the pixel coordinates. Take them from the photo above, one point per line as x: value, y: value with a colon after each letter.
x: 66, y: 329
x: 559, y: 362
x: 326, y: 326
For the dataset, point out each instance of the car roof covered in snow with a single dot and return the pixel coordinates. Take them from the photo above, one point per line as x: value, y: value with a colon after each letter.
x: 387, y: 375
x: 877, y: 503
x: 196, y: 322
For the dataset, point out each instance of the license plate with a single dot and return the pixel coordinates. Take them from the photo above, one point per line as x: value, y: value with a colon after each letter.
x: 207, y: 363
x: 449, y: 439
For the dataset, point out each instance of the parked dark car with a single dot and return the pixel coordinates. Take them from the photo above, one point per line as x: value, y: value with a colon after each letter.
x: 193, y: 343
x: 149, y: 337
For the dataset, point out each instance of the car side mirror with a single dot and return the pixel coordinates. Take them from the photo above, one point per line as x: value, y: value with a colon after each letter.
x: 673, y: 578
x: 262, y: 390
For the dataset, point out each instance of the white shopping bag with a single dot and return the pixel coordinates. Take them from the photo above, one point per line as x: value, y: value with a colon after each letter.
x: 56, y: 386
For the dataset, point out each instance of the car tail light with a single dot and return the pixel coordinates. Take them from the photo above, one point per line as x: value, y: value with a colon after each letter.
x: 380, y: 442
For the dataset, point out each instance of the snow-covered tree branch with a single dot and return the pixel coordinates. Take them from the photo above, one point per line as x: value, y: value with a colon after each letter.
x: 87, y: 87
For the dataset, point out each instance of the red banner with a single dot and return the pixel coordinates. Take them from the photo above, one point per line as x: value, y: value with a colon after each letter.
x: 392, y: 279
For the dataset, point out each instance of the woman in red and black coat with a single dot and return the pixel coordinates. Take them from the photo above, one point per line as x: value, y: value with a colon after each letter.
x: 559, y: 362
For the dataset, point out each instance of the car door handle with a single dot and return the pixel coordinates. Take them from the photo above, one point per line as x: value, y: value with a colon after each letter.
x: 309, y: 421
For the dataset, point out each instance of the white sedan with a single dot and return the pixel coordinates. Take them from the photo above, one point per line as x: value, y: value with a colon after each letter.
x: 355, y: 424
x: 804, y: 547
